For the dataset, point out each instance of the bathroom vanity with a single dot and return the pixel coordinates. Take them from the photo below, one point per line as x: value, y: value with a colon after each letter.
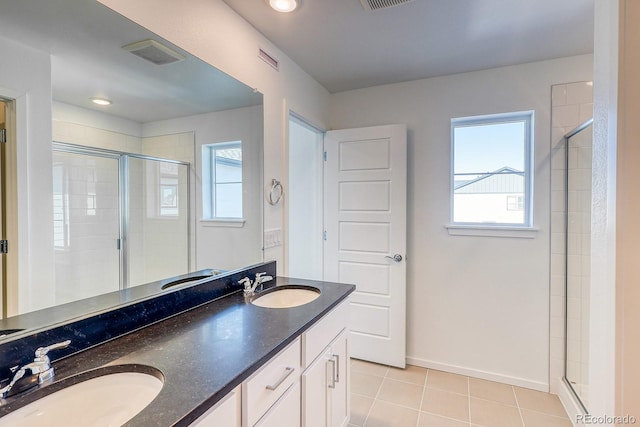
x: 229, y: 362
x: 307, y: 381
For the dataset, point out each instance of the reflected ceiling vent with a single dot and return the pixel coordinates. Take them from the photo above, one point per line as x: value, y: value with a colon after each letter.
x: 382, y: 4
x: 268, y: 59
x: 154, y: 52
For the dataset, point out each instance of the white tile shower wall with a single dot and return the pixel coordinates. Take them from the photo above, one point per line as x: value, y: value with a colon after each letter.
x: 572, y: 104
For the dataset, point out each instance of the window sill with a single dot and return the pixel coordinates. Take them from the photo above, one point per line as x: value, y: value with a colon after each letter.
x: 223, y: 222
x: 492, y: 231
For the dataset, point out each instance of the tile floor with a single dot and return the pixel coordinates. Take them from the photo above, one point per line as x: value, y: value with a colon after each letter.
x: 382, y: 396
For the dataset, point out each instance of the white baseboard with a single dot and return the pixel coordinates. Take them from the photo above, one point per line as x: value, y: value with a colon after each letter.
x: 485, y: 375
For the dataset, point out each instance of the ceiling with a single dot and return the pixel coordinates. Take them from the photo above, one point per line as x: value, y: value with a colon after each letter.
x: 344, y: 47
x: 84, y: 39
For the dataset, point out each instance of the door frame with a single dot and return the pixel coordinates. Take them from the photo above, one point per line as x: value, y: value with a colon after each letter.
x: 9, y: 204
x: 291, y: 114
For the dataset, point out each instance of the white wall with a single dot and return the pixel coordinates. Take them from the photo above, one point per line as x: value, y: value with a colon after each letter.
x: 219, y: 36
x: 476, y: 305
x: 25, y: 77
x: 602, y: 388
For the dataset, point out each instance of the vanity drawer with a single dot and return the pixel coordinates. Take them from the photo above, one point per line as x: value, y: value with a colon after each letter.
x: 266, y: 386
x: 225, y: 413
x: 316, y: 339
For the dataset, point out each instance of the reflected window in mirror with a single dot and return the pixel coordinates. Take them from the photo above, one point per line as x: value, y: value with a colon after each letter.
x: 168, y: 189
x: 222, y: 180
x: 163, y: 188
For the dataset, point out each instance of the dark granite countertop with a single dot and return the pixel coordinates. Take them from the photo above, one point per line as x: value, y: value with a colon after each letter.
x: 203, y: 353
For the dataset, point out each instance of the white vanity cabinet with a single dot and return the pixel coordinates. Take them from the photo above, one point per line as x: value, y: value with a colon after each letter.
x: 268, y: 394
x: 306, y: 384
x: 225, y: 413
x: 285, y: 412
x: 325, y: 381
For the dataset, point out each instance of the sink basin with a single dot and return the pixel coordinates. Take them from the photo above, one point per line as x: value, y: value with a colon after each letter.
x: 185, y: 280
x: 286, y: 296
x: 106, y: 401
x: 191, y: 279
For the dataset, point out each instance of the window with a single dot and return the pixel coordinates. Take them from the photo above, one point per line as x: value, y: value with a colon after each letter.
x: 491, y: 182
x: 222, y: 180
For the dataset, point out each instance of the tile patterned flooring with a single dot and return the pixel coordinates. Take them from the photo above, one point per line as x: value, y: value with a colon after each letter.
x: 383, y: 396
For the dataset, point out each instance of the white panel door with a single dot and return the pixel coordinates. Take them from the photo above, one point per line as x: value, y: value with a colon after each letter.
x: 365, y: 244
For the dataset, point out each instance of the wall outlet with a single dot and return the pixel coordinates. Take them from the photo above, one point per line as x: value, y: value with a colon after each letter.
x: 272, y: 238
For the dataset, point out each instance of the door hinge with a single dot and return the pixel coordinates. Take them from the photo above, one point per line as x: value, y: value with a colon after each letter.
x: 3, y: 135
x: 324, y: 156
x: 324, y: 235
x: 4, y: 246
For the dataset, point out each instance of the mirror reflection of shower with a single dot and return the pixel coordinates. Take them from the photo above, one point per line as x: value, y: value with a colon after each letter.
x: 578, y: 146
x: 121, y: 219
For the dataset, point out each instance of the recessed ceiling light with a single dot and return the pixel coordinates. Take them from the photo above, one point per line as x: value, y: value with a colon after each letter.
x: 283, y: 5
x: 101, y: 101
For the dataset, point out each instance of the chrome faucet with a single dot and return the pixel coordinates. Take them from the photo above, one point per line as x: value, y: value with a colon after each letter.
x: 250, y: 287
x: 40, y: 366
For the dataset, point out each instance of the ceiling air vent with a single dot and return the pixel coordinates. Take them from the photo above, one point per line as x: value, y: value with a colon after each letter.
x: 154, y: 52
x: 382, y: 4
x: 268, y: 59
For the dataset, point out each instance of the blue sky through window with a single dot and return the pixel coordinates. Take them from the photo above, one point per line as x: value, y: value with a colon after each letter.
x: 483, y: 148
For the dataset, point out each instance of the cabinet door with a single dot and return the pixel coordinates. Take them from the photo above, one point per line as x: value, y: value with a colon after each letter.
x: 285, y: 412
x: 315, y: 393
x: 339, y: 395
x: 225, y: 413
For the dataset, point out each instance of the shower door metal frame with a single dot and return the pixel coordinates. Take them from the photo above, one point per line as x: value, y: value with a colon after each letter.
x: 123, y: 185
x: 567, y: 137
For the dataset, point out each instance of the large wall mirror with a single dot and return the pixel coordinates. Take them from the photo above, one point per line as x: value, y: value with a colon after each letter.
x: 163, y: 179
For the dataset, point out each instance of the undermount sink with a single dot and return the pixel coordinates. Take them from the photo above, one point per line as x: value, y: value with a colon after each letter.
x: 286, y: 296
x: 105, y: 401
x: 189, y: 279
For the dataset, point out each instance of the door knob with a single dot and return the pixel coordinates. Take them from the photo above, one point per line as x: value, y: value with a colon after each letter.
x: 396, y: 258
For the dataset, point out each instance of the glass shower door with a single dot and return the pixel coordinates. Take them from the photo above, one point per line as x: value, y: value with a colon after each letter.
x: 158, y: 222
x: 86, y: 225
x: 578, y: 252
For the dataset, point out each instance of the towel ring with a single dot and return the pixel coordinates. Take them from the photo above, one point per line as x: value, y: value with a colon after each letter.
x: 276, y: 192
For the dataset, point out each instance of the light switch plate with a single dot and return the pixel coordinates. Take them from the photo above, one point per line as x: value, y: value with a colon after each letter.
x: 272, y: 238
